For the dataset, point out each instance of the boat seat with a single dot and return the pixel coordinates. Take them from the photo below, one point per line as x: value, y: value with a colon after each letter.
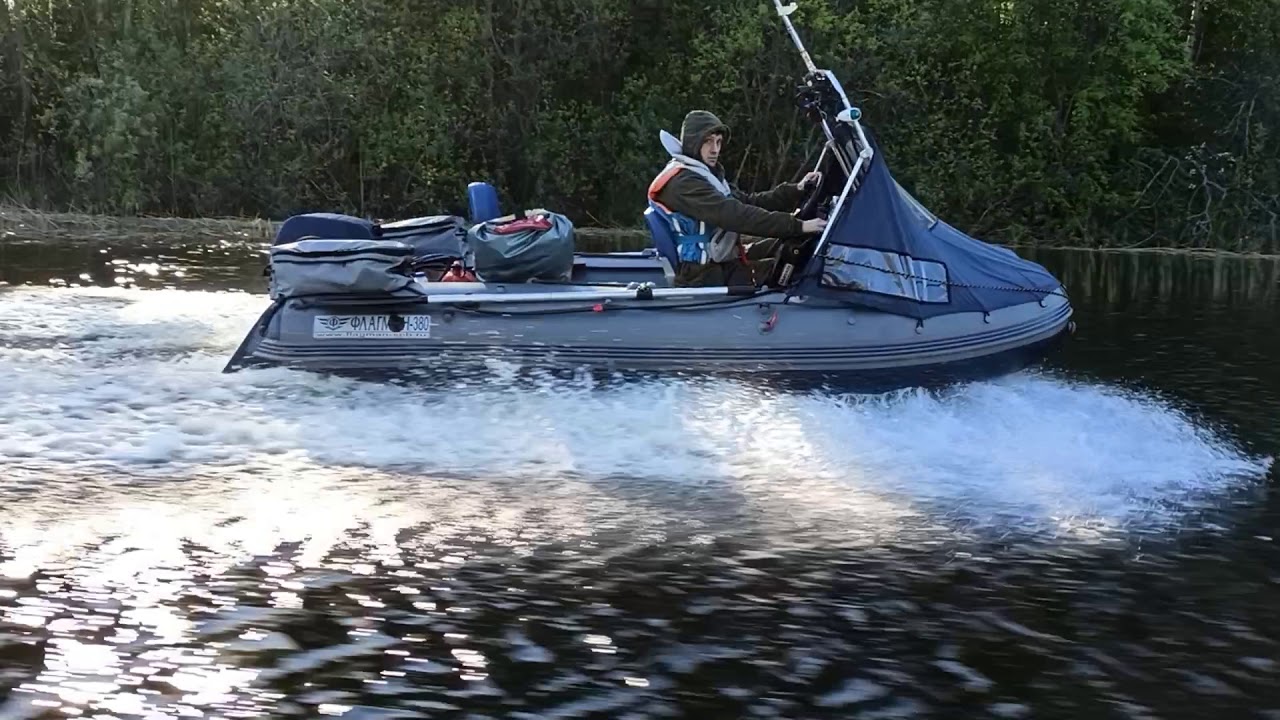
x: 664, y: 240
x: 482, y: 200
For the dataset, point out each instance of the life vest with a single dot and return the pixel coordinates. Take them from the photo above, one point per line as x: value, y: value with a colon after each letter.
x: 697, y: 242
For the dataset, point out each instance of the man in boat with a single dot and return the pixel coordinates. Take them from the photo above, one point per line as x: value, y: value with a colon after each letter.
x: 713, y: 215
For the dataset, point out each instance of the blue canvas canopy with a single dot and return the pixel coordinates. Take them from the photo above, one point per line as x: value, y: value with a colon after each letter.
x: 883, y: 250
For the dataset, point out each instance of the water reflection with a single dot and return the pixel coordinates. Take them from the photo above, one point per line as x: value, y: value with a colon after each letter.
x: 1121, y: 281
x: 199, y: 265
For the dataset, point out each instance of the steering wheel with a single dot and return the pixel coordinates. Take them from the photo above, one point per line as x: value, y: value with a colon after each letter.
x: 809, y: 201
x: 814, y: 195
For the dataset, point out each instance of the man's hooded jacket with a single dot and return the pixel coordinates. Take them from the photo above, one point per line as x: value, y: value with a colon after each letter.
x: 689, y: 187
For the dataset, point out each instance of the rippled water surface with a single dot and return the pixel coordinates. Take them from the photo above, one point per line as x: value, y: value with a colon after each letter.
x: 1096, y: 537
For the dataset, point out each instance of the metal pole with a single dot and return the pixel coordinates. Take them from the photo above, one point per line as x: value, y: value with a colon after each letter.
x: 783, y: 12
x: 570, y: 296
x: 865, y: 153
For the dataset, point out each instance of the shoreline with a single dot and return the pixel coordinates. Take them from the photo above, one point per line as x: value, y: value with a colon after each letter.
x: 27, y: 225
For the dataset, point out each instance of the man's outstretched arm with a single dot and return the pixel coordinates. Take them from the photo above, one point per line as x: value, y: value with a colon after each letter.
x: 784, y: 197
x: 691, y: 195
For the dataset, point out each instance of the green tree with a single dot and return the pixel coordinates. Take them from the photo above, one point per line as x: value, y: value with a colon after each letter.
x: 1110, y: 122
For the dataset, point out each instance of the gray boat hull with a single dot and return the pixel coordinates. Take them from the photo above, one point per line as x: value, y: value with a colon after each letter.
x: 765, y: 333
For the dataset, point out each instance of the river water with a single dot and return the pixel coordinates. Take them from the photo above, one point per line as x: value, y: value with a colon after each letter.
x: 1097, y: 537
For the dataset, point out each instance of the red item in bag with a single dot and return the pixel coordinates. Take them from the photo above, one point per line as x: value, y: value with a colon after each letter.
x: 540, y: 222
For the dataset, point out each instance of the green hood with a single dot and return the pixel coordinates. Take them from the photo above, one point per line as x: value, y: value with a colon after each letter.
x: 696, y: 127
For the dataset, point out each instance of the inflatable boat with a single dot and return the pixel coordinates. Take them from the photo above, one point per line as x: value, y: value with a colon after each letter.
x: 887, y: 296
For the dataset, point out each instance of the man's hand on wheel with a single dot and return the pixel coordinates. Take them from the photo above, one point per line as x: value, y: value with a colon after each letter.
x: 810, y: 180
x: 813, y: 226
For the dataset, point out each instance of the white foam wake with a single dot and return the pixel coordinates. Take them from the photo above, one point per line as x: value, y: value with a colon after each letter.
x: 130, y: 380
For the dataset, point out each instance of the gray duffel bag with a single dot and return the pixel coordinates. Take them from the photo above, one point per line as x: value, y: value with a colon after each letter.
x: 535, y: 246
x: 314, y: 266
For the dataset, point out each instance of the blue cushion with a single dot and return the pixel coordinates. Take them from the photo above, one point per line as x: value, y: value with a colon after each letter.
x: 664, y: 240
x: 324, y: 225
x: 483, y: 201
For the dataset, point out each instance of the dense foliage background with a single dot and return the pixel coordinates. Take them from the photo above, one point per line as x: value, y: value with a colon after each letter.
x: 1107, y: 122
